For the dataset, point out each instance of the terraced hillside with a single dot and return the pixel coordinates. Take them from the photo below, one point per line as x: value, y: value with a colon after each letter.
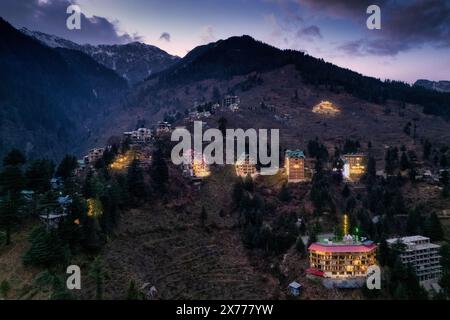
x: 170, y: 249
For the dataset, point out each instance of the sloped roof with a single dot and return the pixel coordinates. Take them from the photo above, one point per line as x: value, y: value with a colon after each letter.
x: 295, y: 153
x: 335, y: 247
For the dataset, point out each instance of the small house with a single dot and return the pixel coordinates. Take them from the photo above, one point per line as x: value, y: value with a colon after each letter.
x: 295, y: 288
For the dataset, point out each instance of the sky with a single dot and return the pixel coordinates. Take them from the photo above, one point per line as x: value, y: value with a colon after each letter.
x: 413, y: 43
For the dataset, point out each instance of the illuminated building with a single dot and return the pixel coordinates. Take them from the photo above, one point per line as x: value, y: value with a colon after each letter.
x: 246, y: 166
x: 422, y: 255
x: 340, y: 260
x: 195, y: 164
x: 93, y: 155
x: 139, y: 136
x: 326, y: 108
x: 294, y: 164
x: 354, y: 166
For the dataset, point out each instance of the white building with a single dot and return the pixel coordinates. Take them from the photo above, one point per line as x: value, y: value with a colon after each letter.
x: 231, y: 100
x: 422, y: 255
x: 93, y: 155
x: 139, y: 136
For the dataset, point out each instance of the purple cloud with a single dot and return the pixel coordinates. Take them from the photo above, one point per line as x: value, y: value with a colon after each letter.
x: 50, y: 16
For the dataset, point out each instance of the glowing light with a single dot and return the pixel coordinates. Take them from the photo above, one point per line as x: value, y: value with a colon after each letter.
x: 345, y: 227
x: 326, y: 108
x: 95, y: 208
x: 122, y: 161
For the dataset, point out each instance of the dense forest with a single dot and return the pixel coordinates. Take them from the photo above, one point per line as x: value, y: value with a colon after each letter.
x: 47, y: 94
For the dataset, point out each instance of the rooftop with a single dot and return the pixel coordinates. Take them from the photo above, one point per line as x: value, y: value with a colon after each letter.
x: 295, y: 153
x: 343, y: 247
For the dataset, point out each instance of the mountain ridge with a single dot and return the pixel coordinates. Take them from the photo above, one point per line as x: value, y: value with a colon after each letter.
x: 242, y: 55
x: 440, y: 86
x: 50, y: 97
x: 133, y: 61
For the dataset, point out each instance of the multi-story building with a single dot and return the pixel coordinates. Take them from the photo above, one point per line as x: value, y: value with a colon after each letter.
x: 246, y: 166
x: 139, y: 136
x: 294, y: 164
x: 230, y: 100
x: 420, y: 253
x: 93, y: 155
x: 354, y: 166
x: 195, y: 165
x: 340, y: 260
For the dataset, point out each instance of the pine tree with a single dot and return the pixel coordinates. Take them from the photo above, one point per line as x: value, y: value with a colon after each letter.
x: 312, y: 237
x: 238, y: 190
x: 445, y: 263
x: 383, y: 253
x: 404, y: 162
x: 413, y: 223
x: 132, y: 291
x: 38, y: 175
x: 203, y: 216
x: 15, y: 157
x: 5, y: 287
x: 433, y: 227
x: 46, y: 250
x: 300, y: 246
x: 12, y: 180
x: 159, y: 171
x: 426, y: 150
x: 67, y: 167
x: 346, y: 191
x: 248, y: 183
x: 49, y: 281
x: 9, y: 209
x: 98, y: 273
x: 135, y: 181
x: 284, y: 193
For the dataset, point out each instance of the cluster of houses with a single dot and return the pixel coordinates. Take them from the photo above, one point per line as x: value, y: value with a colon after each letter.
x: 299, y: 168
x: 205, y: 110
x: 140, y: 142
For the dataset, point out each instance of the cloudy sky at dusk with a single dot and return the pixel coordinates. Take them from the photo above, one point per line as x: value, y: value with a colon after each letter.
x: 414, y: 41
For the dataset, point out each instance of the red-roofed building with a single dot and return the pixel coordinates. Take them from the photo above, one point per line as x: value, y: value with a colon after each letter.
x: 341, y: 260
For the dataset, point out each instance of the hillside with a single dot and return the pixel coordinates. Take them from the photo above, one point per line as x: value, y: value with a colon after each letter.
x: 133, y: 61
x: 242, y: 55
x: 441, y: 86
x: 50, y: 98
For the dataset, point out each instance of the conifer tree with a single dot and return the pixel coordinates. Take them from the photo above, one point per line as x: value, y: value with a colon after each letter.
x: 203, y: 216
x: 98, y: 274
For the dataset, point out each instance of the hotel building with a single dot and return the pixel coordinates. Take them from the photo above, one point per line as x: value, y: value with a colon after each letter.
x: 246, y: 166
x: 354, y: 166
x: 340, y: 260
x: 294, y: 164
x: 422, y: 255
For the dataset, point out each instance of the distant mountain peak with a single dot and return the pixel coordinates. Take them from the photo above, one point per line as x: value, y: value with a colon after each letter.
x: 441, y: 86
x: 133, y: 61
